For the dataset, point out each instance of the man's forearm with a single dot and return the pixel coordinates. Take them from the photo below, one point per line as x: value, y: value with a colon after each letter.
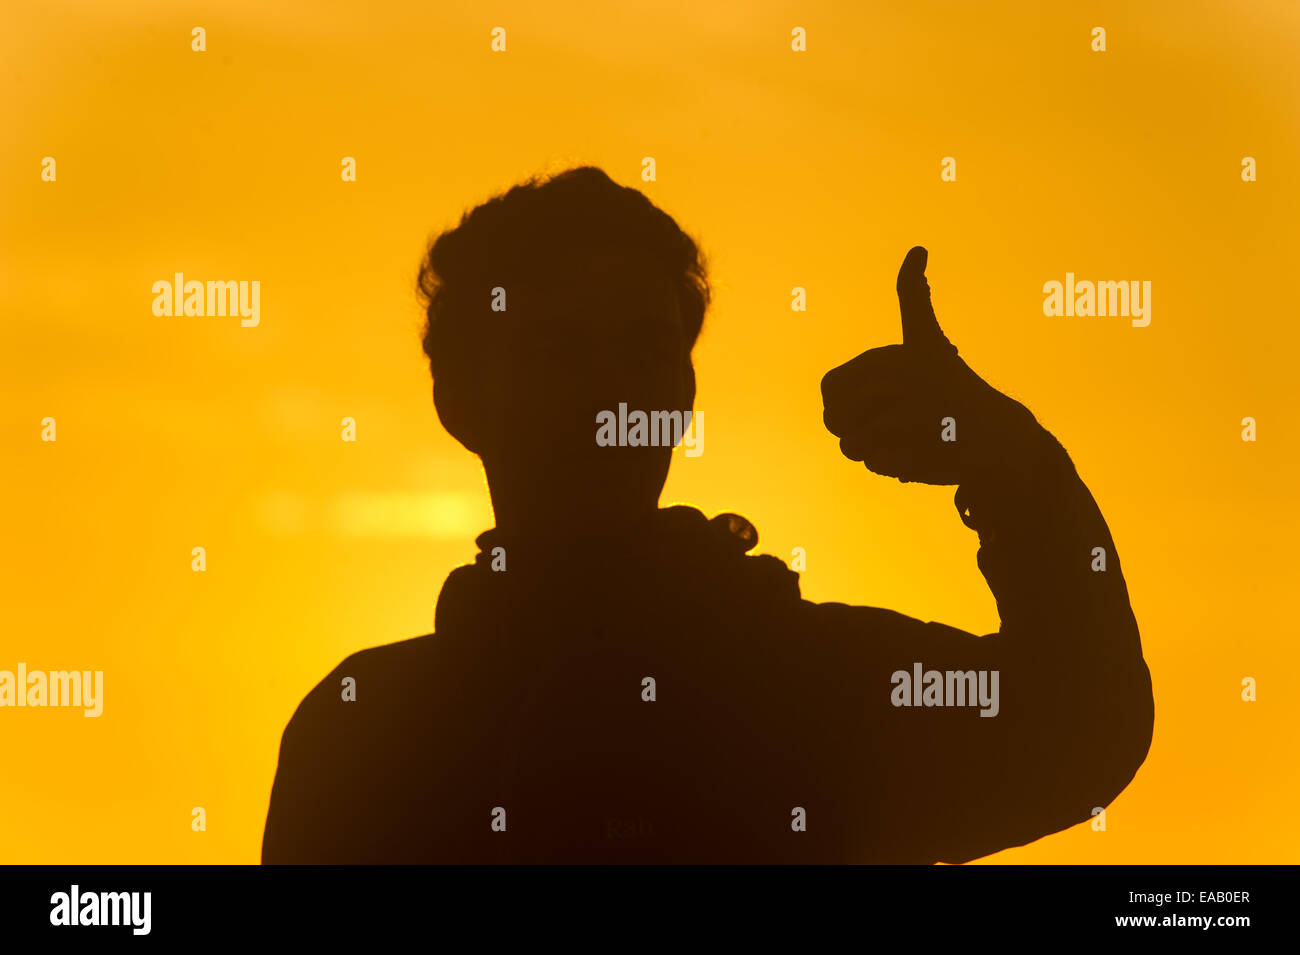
x: 1076, y: 688
x: 1045, y: 549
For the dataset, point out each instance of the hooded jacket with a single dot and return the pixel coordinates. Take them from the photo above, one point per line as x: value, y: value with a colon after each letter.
x: 661, y: 695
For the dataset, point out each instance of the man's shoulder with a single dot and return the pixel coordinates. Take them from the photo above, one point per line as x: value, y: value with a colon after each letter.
x: 855, y: 629
x: 834, y: 618
x: 366, y: 684
x: 337, y: 748
x: 387, y: 659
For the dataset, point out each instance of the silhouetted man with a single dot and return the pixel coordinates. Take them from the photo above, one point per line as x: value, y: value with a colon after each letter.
x: 614, y: 682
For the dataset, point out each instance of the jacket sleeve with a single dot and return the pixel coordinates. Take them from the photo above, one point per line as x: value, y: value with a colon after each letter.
x: 295, y: 831
x: 1071, y: 719
x: 309, y: 821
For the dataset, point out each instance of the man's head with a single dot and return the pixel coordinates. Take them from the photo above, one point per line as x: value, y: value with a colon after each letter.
x: 547, y: 305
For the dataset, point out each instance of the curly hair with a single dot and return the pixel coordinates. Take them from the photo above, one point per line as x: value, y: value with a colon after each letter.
x: 535, y: 233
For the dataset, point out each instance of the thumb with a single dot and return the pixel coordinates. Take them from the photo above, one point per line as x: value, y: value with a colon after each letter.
x: 920, y: 326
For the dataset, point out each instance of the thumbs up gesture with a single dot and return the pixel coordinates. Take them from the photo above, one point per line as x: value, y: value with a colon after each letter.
x: 916, y: 411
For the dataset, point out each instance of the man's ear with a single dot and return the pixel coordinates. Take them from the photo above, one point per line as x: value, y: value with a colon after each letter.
x: 689, y: 383
x: 457, y: 413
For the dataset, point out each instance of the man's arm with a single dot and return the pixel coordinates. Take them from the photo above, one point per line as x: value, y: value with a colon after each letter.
x: 316, y: 815
x: 296, y: 832
x: 1074, y: 710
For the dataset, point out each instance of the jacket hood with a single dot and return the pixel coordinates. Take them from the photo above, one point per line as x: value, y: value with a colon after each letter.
x: 676, y: 552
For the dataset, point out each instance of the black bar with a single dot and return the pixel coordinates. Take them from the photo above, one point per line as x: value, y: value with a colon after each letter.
x: 464, y: 907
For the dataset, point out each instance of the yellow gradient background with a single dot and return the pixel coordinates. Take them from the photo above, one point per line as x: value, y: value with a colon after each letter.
x: 816, y: 169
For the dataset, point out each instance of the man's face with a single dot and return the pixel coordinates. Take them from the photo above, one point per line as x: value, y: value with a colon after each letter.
x: 578, y: 348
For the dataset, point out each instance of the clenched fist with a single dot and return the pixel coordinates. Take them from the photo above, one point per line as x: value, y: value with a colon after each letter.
x: 916, y: 411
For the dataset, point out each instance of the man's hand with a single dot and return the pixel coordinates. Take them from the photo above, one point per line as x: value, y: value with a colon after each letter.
x: 890, y: 407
